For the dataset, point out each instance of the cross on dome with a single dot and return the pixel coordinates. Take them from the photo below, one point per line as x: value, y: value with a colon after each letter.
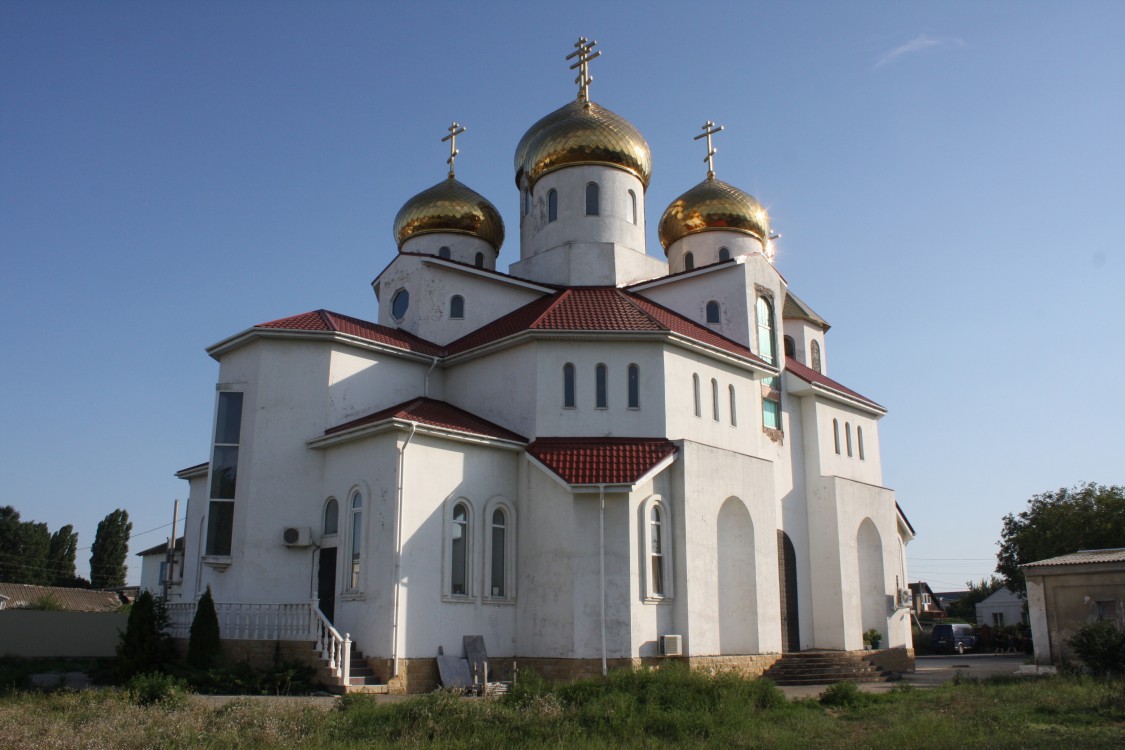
x: 584, y: 79
x: 455, y: 129
x: 709, y: 130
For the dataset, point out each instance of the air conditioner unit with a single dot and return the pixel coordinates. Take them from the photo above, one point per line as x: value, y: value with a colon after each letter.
x: 905, y: 598
x: 297, y: 536
x: 672, y: 645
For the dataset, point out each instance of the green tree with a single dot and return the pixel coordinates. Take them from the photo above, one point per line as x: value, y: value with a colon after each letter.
x: 1088, y: 516
x: 145, y: 645
x: 205, y: 647
x: 965, y: 608
x: 24, y: 546
x: 61, y: 555
x: 111, y: 546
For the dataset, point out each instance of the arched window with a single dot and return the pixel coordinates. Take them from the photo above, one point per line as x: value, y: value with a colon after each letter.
x: 498, y: 553
x: 568, y: 386
x: 400, y: 303
x: 790, y: 347
x: 592, y: 208
x: 457, y: 307
x: 443, y: 252
x: 713, y: 315
x: 765, y: 330
x: 724, y: 253
x: 859, y: 439
x: 836, y: 435
x: 733, y: 409
x: 656, y: 550
x: 634, y: 379
x: 848, y: 437
x: 459, y: 551
x: 601, y: 387
x: 478, y: 261
x: 689, y: 262
x: 814, y: 348
x: 715, y: 399
x: 695, y: 393
x: 552, y: 204
x: 632, y: 207
x: 356, y: 541
x: 331, y: 517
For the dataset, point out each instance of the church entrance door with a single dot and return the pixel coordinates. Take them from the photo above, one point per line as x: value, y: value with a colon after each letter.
x: 787, y: 585
x: 326, y: 582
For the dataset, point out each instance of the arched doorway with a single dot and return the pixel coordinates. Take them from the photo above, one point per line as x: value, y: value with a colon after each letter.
x: 787, y: 586
x: 738, y: 612
x: 872, y: 587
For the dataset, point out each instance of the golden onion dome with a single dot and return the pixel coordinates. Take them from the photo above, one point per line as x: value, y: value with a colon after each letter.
x: 449, y: 206
x: 582, y: 132
x: 713, y: 205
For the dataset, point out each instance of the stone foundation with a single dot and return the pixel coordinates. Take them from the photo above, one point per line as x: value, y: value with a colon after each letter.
x: 268, y: 654
x: 899, y: 659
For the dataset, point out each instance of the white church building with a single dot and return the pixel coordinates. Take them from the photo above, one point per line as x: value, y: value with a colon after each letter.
x: 593, y: 459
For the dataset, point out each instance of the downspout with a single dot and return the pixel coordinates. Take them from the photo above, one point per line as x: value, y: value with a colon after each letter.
x: 426, y: 382
x: 398, y: 542
x: 601, y: 567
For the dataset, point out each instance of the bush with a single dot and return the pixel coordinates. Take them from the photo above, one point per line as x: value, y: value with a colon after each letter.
x: 156, y: 688
x: 872, y: 638
x: 1101, y: 647
x: 205, y: 648
x: 145, y: 646
x: 843, y: 695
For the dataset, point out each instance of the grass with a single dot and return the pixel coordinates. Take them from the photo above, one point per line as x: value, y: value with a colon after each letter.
x: 644, y: 709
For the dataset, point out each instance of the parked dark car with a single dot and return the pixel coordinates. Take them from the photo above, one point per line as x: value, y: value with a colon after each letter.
x: 950, y: 637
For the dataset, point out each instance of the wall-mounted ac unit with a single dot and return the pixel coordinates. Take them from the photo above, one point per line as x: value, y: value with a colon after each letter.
x: 297, y: 536
x: 905, y: 599
x: 672, y: 645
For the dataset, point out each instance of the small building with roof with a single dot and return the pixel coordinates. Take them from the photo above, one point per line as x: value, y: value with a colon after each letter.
x: 1069, y: 592
x: 598, y: 457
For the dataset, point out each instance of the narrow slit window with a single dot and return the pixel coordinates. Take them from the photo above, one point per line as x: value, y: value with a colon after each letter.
x: 634, y: 387
x: 357, y: 542
x: 478, y: 261
x: 592, y: 199
x: 552, y: 205
x: 695, y: 393
x: 836, y: 435
x: 689, y: 262
x: 457, y: 307
x: 656, y: 539
x: 715, y: 399
x: 733, y: 407
x: 848, y: 437
x: 459, y: 551
x: 814, y: 348
x: 568, y: 386
x: 713, y: 312
x: 601, y: 387
x: 499, y: 531
x: 632, y: 207
x: 859, y: 440
x: 790, y: 347
x: 331, y: 517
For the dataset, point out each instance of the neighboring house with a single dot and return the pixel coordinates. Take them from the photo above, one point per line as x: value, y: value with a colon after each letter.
x: 25, y: 596
x: 1066, y: 593
x: 595, y: 458
x: 1000, y: 608
x: 925, y: 602
x: 154, y: 567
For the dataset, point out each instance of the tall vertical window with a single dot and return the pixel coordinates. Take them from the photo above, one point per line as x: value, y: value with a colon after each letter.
x: 357, y: 542
x: 601, y: 387
x: 713, y: 312
x: 790, y: 346
x: 771, y: 403
x: 656, y: 551
x: 724, y: 253
x: 814, y: 348
x: 848, y: 437
x: 568, y: 386
x: 224, y: 473
x: 765, y: 330
x: 552, y: 204
x: 836, y: 435
x: 634, y: 384
x: 331, y: 517
x: 695, y: 394
x: 859, y: 440
x: 444, y: 252
x: 478, y: 261
x: 632, y: 207
x: 689, y: 262
x: 592, y: 208
x: 499, y: 530
x: 715, y: 399
x: 457, y: 307
x: 733, y: 409
x: 459, y: 551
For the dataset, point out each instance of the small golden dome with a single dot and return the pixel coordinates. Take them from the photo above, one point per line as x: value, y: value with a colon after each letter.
x: 713, y: 205
x: 582, y: 133
x: 449, y: 206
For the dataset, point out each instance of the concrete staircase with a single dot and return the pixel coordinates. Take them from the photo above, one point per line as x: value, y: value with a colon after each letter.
x: 825, y: 668
x: 362, y: 677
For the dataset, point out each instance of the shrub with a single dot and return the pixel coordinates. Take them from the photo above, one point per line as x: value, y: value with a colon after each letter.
x: 841, y: 695
x: 1101, y: 647
x: 872, y: 638
x: 145, y: 646
x: 46, y: 603
x: 156, y: 688
x: 205, y: 648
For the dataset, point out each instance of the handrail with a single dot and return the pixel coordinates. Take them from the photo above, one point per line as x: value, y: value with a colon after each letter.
x: 333, y: 647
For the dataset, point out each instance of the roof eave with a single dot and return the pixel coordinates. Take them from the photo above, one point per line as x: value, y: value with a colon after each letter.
x: 228, y: 345
x: 419, y: 428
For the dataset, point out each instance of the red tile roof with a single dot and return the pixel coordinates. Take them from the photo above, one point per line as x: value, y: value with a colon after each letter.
x: 810, y: 375
x: 589, y: 309
x: 601, y: 460
x: 435, y: 413
x: 325, y: 320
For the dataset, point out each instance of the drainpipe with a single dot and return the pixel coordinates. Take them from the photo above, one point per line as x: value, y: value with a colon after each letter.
x: 398, y: 543
x: 426, y: 382
x: 601, y: 566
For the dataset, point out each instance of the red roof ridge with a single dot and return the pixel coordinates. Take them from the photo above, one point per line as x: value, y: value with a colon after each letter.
x: 435, y: 413
x: 810, y: 375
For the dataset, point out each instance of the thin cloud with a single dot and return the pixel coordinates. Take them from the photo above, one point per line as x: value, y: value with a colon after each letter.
x: 917, y: 44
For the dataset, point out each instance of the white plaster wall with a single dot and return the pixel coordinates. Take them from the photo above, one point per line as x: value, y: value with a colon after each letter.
x: 1037, y: 614
x: 803, y: 334
x: 819, y: 439
x: 744, y: 437
x: 651, y: 619
x: 689, y: 297
x: 150, y: 574
x: 788, y: 459
x: 362, y: 382
x: 589, y: 264
x: 704, y: 247
x: 462, y: 247
x: 501, y: 388
x: 194, y: 530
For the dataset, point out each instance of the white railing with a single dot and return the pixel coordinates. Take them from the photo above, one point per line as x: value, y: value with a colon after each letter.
x: 273, y: 622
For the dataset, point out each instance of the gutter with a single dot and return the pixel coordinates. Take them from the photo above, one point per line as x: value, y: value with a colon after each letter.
x: 398, y: 547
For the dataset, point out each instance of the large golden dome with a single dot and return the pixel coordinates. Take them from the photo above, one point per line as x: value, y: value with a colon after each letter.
x: 582, y: 133
x: 713, y: 205
x: 449, y: 206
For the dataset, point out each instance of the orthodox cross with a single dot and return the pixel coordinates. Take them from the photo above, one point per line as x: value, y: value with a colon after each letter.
x: 709, y: 130
x: 584, y: 79
x: 455, y: 129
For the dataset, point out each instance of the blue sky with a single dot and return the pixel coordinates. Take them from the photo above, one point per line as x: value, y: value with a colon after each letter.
x: 947, y: 179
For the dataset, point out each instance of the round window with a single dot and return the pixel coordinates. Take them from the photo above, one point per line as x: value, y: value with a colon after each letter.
x: 399, y: 304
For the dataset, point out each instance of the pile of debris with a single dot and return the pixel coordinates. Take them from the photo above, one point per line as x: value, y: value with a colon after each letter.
x: 471, y: 674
